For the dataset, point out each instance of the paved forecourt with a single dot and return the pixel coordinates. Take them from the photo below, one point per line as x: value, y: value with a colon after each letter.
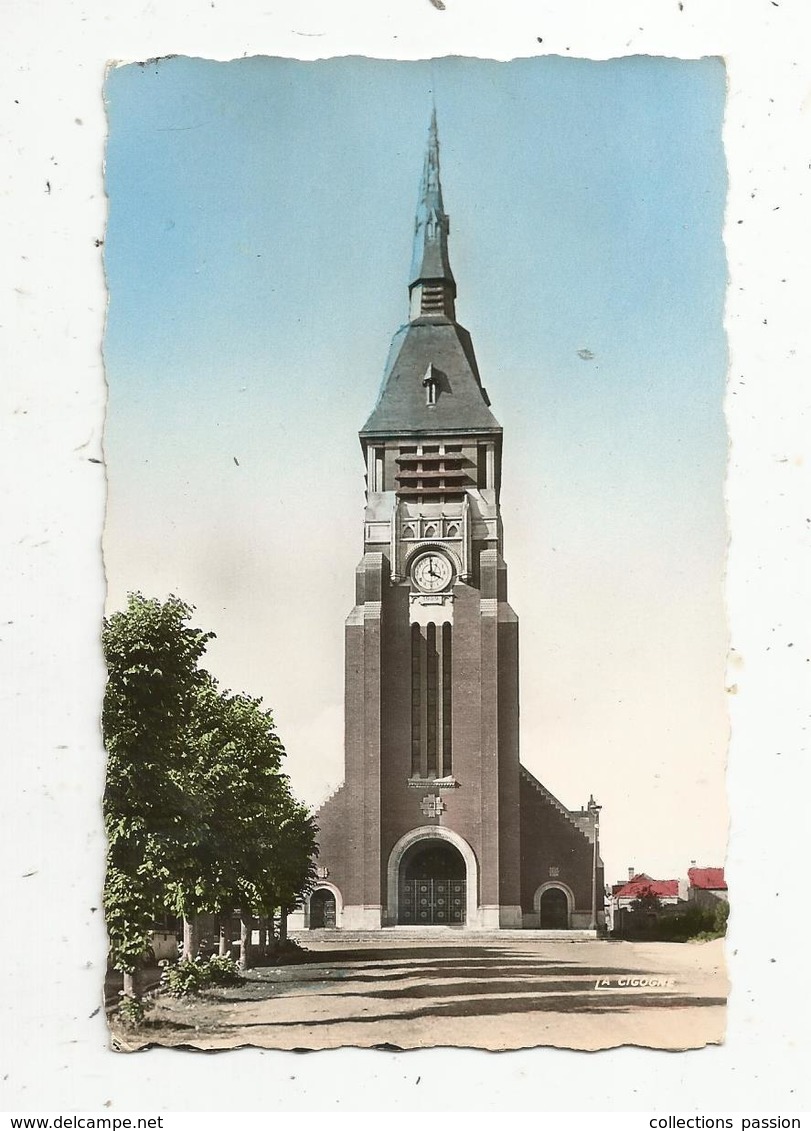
x: 500, y: 990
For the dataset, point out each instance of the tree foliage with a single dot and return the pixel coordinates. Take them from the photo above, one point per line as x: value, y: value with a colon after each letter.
x: 152, y: 657
x: 250, y: 842
x: 199, y: 816
x: 647, y: 901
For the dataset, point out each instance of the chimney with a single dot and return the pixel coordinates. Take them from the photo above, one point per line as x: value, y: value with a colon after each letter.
x: 630, y: 873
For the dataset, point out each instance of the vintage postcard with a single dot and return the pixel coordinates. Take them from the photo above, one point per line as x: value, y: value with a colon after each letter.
x: 415, y: 551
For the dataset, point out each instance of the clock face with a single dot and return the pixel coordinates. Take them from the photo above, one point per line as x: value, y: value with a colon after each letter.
x: 432, y: 572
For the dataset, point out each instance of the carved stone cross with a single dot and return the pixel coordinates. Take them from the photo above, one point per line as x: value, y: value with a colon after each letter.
x: 432, y: 806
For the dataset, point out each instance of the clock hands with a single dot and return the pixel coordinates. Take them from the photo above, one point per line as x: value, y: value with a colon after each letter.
x: 432, y: 572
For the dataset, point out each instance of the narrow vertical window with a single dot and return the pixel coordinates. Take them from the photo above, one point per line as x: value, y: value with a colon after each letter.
x: 416, y: 702
x: 481, y: 466
x: 447, y: 705
x: 432, y: 701
x: 380, y: 454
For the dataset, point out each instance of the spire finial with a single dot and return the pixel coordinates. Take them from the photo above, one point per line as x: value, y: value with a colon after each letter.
x: 432, y: 284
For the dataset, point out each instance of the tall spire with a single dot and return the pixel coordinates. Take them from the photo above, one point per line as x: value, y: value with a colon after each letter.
x: 431, y: 384
x: 432, y: 287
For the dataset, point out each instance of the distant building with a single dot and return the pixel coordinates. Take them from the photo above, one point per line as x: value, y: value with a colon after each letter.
x: 625, y: 894
x: 707, y: 887
x: 437, y: 822
x: 640, y: 883
x: 703, y: 888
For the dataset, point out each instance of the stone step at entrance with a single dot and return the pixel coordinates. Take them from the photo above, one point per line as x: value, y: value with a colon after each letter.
x: 459, y: 935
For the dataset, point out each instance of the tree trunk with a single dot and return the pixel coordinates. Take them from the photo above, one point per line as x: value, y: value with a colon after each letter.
x: 129, y: 984
x: 271, y: 931
x: 245, y: 932
x: 263, y: 937
x: 282, y: 925
x: 225, y: 931
x: 191, y: 938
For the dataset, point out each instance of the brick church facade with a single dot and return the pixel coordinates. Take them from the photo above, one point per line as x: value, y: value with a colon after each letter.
x: 437, y: 822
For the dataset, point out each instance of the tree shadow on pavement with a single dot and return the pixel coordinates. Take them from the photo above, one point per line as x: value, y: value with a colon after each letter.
x: 482, y: 1007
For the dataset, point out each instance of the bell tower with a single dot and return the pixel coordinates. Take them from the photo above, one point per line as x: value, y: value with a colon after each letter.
x: 431, y: 644
x: 426, y: 829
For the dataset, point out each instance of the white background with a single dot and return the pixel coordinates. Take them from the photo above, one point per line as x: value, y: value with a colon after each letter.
x: 52, y: 128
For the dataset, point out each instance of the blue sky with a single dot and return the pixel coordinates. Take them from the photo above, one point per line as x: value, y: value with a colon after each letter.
x: 257, y: 256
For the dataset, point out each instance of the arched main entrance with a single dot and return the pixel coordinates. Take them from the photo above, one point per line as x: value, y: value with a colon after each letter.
x: 323, y: 909
x: 554, y: 909
x: 433, y: 883
x: 431, y: 834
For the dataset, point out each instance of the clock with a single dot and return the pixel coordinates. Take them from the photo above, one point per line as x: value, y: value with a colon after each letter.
x: 432, y: 572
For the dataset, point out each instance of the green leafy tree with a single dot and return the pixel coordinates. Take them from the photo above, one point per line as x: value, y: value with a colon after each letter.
x: 235, y: 787
x: 152, y: 655
x: 282, y: 868
x: 200, y: 817
x: 295, y: 858
x: 267, y: 836
x: 720, y: 918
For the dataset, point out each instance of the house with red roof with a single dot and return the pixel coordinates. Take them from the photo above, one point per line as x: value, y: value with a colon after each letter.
x: 663, y: 894
x: 707, y: 887
x: 640, y: 884
x: 637, y: 905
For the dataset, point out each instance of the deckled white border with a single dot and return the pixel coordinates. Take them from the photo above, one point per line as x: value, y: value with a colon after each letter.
x: 54, y: 57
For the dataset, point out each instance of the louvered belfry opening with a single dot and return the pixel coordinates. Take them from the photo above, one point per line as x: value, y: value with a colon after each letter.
x: 431, y: 701
x: 432, y: 473
x: 434, y: 299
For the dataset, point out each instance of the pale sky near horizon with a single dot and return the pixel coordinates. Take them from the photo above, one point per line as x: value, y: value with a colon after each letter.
x: 257, y: 254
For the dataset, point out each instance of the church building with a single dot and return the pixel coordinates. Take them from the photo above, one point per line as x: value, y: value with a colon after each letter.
x: 437, y: 822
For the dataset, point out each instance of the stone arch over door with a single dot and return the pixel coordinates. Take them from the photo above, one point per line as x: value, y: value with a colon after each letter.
x: 428, y: 833
x: 325, y: 888
x: 550, y: 887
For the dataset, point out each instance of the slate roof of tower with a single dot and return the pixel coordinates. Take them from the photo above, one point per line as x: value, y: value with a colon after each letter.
x: 435, y: 340
x: 461, y: 403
